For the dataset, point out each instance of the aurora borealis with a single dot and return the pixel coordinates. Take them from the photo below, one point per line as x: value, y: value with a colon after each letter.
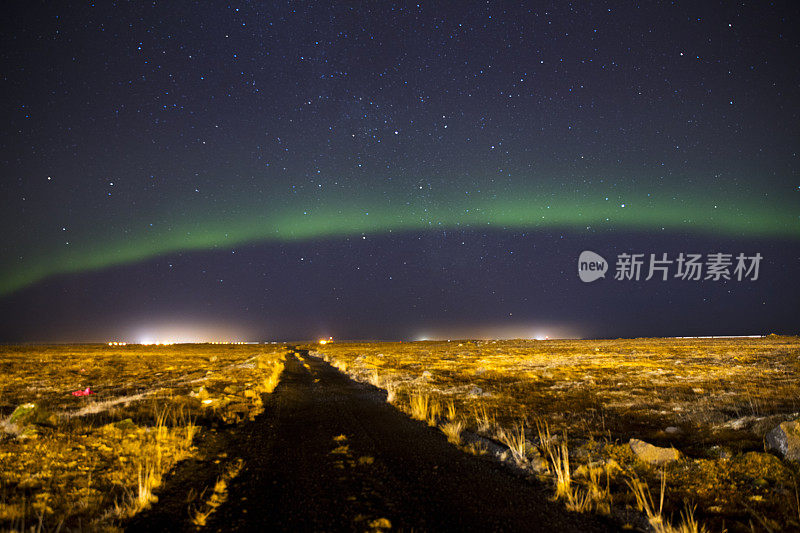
x: 219, y: 136
x: 357, y: 218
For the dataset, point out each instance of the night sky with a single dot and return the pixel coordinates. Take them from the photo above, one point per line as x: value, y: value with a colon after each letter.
x: 203, y: 171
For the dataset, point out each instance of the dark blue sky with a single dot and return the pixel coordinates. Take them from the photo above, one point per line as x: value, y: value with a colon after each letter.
x: 287, y: 170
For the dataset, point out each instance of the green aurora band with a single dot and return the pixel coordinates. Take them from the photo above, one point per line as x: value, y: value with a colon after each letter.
x: 255, y: 222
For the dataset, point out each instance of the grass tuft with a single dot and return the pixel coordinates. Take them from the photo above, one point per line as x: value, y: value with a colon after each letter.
x: 434, y: 413
x: 645, y: 504
x: 451, y: 411
x: 593, y: 497
x: 453, y: 431
x: 391, y: 392
x: 514, y: 439
x: 420, y: 405
x: 600, y: 494
x: 484, y: 421
x: 218, y: 496
x: 374, y: 379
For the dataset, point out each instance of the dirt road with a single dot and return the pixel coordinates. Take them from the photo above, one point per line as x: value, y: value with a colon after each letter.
x: 329, y: 454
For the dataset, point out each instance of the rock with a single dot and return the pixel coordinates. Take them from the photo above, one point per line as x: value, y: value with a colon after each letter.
x: 538, y: 463
x: 653, y: 454
x: 31, y: 413
x: 126, y: 425
x: 475, y: 391
x: 581, y: 453
x: 756, y: 425
x: 531, y: 450
x: 30, y: 484
x: 585, y: 450
x: 21, y: 413
x: 28, y: 432
x: 380, y: 524
x: 785, y: 440
x: 672, y: 429
x: 741, y: 423
x: 719, y: 452
x: 201, y: 394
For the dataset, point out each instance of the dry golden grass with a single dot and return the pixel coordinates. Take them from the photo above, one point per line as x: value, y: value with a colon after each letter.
x: 644, y: 502
x: 514, y: 439
x: 485, y: 422
x: 94, y: 461
x: 219, y: 494
x: 434, y: 413
x: 420, y: 405
x: 452, y: 431
x: 451, y: 411
x: 598, y: 488
x: 712, y: 399
x: 558, y: 456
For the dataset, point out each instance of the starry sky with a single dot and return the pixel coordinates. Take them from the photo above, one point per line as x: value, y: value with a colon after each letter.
x: 291, y: 170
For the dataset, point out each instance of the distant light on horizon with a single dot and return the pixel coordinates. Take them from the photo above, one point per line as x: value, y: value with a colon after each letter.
x: 170, y: 343
x: 721, y: 337
x: 173, y: 331
x: 539, y: 332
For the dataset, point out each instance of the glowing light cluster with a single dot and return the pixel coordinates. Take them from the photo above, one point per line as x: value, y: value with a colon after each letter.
x: 170, y: 343
x: 539, y: 332
x: 188, y: 330
x: 166, y: 343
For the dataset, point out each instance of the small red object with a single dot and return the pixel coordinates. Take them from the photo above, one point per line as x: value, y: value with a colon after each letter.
x: 85, y: 392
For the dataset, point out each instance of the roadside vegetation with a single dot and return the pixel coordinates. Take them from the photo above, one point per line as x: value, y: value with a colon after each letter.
x: 661, y: 434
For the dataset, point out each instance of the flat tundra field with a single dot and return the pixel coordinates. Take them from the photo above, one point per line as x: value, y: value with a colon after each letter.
x: 91, y: 462
x: 652, y: 434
